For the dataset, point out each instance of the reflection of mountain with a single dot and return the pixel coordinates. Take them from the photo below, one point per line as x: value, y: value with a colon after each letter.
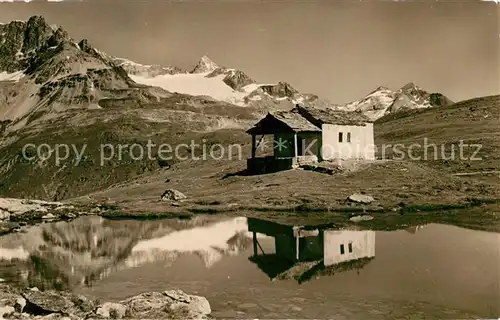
x: 303, y: 253
x: 61, y: 255
x: 210, y: 243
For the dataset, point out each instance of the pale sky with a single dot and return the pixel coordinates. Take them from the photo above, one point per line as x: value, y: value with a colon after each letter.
x: 334, y: 48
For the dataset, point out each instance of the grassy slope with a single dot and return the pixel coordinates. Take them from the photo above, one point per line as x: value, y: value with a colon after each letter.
x: 417, y: 193
x: 215, y: 187
x: 475, y: 121
x: 214, y: 182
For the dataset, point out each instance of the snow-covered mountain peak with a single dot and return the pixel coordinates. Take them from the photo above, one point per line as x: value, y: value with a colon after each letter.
x: 383, y: 101
x: 205, y: 65
x: 410, y: 86
x: 380, y: 89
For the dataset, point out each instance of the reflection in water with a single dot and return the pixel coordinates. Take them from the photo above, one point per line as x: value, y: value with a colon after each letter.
x: 439, y: 271
x: 302, y: 253
x: 210, y: 242
x: 63, y: 255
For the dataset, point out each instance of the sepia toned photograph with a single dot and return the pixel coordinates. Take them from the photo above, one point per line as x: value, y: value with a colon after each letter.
x: 249, y: 159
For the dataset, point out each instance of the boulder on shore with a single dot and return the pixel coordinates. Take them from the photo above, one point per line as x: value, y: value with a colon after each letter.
x: 112, y: 310
x: 172, y: 195
x: 172, y: 304
x: 360, y: 198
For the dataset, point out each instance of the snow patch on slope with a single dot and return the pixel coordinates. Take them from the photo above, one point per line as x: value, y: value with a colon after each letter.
x: 196, y: 84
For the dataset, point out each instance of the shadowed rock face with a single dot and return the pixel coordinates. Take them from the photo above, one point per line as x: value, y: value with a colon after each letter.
x: 58, y: 73
x: 280, y: 90
x: 21, y: 41
x: 237, y: 79
x: 439, y: 100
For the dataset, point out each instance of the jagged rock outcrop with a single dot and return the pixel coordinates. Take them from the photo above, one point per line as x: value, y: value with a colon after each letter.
x: 21, y: 40
x: 280, y: 90
x: 84, y: 45
x: 58, y: 74
x: 237, y: 79
x: 205, y: 65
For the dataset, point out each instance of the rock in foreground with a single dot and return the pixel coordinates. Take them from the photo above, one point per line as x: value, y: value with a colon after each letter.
x: 34, y: 304
x: 173, y: 304
x: 172, y: 195
x: 360, y: 198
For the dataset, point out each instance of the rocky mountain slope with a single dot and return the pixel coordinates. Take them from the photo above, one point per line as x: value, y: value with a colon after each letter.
x: 58, y: 91
x: 383, y: 101
x: 44, y: 72
x: 54, y: 73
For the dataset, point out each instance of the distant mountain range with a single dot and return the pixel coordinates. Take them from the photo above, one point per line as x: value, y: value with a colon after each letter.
x: 44, y: 71
x: 207, y: 78
x: 236, y: 87
x: 383, y: 101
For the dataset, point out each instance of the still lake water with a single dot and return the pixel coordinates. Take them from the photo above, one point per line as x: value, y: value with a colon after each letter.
x: 435, y: 271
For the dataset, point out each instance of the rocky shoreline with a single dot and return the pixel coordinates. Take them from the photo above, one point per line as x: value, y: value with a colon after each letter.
x: 18, y: 213
x: 58, y: 305
x: 480, y: 214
